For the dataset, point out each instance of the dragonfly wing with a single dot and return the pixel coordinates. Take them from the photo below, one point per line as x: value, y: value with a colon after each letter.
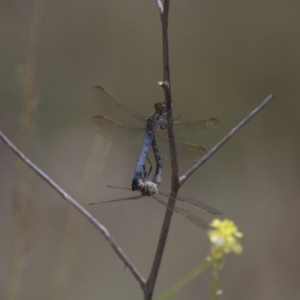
x: 193, y: 202
x: 189, y: 215
x: 189, y: 152
x: 185, y: 151
x: 117, y: 132
x: 118, y: 200
x: 113, y: 109
x: 118, y: 187
x: 195, y: 127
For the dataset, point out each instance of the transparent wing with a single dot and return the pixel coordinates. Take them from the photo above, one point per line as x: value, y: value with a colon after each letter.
x: 117, y: 132
x: 132, y: 136
x: 195, y: 127
x: 185, y: 151
x: 165, y: 192
x: 189, y: 215
x: 193, y: 202
x: 189, y: 152
x: 113, y: 109
x: 119, y: 199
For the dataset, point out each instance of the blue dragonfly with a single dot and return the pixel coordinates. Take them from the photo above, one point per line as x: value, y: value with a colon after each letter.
x: 123, y: 125
x: 151, y: 189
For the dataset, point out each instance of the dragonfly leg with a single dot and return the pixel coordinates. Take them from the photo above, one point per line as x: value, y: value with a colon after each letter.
x: 165, y: 125
x: 150, y: 169
x: 144, y: 174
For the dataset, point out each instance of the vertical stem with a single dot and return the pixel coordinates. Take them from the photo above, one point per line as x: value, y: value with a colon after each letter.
x: 167, y: 89
x: 166, y: 84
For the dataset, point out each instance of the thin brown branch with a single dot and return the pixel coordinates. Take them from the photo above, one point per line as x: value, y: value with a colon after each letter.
x: 214, y: 149
x: 102, y: 229
x: 166, y: 85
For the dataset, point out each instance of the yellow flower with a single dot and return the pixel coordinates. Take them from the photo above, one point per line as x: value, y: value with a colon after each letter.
x: 224, y: 238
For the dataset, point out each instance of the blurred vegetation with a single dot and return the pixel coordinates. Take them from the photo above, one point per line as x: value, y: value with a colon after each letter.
x: 226, y: 56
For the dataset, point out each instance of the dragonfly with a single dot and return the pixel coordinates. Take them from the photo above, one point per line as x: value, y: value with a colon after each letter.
x: 150, y: 189
x: 123, y: 125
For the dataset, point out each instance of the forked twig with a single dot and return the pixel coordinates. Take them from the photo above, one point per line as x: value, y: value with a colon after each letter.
x: 229, y: 135
x: 80, y: 208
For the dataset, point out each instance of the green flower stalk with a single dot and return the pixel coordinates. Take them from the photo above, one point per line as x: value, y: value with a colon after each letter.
x: 224, y: 237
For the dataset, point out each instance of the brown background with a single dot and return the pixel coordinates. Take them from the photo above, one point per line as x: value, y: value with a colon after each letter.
x: 226, y: 57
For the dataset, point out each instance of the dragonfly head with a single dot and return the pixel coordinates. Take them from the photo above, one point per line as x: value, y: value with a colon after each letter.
x: 147, y: 188
x: 160, y: 107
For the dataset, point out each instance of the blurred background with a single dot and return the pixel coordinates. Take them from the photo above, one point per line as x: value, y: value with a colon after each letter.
x: 226, y: 57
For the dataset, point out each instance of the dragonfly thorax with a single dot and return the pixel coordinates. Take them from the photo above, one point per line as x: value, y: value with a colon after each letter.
x: 156, y: 120
x: 152, y: 125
